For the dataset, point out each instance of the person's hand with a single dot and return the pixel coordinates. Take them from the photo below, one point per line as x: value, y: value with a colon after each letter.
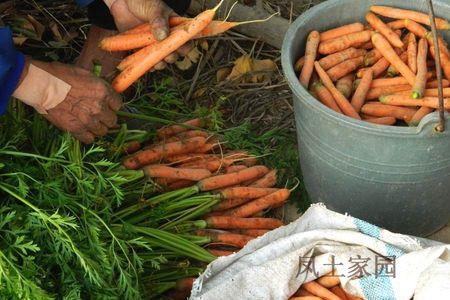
x: 130, y: 13
x: 89, y: 107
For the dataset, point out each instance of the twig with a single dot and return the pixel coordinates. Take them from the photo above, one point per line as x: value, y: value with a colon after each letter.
x: 441, y: 126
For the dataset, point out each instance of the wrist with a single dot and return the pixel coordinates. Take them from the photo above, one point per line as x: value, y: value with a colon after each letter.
x: 109, y: 3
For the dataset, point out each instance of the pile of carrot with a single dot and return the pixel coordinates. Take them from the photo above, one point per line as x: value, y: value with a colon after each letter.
x: 188, y: 156
x: 326, y: 287
x: 383, y: 72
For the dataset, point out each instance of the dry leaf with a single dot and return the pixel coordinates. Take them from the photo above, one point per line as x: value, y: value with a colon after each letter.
x: 200, y: 92
x: 184, y: 64
x: 38, y: 27
x: 55, y: 30
x: 222, y: 74
x: 19, y: 40
x: 245, y: 65
x: 194, y: 55
x: 242, y: 66
x: 204, y: 45
x: 264, y: 65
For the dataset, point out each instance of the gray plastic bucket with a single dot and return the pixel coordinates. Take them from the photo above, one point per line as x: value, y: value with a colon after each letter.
x: 395, y: 177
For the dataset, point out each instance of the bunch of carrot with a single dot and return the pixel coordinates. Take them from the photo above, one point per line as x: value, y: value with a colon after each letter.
x: 326, y: 287
x: 350, y: 67
x: 196, y: 166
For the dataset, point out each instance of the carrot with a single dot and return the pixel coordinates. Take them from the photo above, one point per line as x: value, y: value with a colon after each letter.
x: 155, y: 53
x: 434, y: 84
x: 299, y: 64
x: 219, y: 253
x: 172, y: 130
x: 162, y: 171
x: 361, y: 92
x: 340, y: 31
x: 230, y: 203
x: 261, y: 204
x: 156, y: 153
x: 401, y: 100
x: 344, y: 42
x: 397, y: 24
x: 338, y: 291
x: 334, y: 59
x: 344, y: 68
x: 232, y: 239
x: 227, y: 222
x: 221, y: 181
x: 329, y: 280
x: 182, y: 289
x: 252, y: 232
x: 386, y: 49
x: 366, y: 46
x: 319, y: 291
x: 430, y: 93
x: 187, y: 158
x: 419, y: 115
x: 412, y: 52
x: 378, y: 68
x: 325, y: 96
x: 385, y: 30
x: 421, y: 76
x: 305, y: 298
x: 232, y: 169
x: 443, y: 47
x: 132, y: 147
x: 345, y: 85
x: 165, y: 181
x: 385, y: 82
x: 383, y: 110
x: 341, y: 101
x: 372, y: 57
x: 267, y: 181
x: 245, y: 192
x: 415, y: 28
x: 310, y: 56
x: 392, y: 71
x: 381, y: 120
x: 397, y: 13
x: 375, y: 93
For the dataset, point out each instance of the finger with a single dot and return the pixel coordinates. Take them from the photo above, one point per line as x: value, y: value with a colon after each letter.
x: 160, y: 66
x: 97, y: 128
x: 160, y: 28
x: 108, y: 118
x: 114, y: 100
x: 185, y: 49
x: 172, y: 58
x: 85, y: 137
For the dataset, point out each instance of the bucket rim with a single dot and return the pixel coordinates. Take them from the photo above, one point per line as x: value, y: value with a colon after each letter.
x: 430, y: 121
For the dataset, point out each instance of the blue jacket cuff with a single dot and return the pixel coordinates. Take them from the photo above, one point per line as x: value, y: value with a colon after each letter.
x: 84, y: 2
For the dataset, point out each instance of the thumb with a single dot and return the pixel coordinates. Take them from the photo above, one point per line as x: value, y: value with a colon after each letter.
x: 160, y: 28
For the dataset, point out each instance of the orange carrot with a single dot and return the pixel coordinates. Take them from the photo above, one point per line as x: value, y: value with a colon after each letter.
x: 415, y: 28
x: 123, y: 42
x: 367, y: 46
x: 267, y: 181
x: 412, y: 52
x: 187, y: 158
x: 227, y: 222
x: 434, y: 84
x: 221, y: 181
x: 132, y: 147
x: 325, y: 96
x: 385, y: 30
x: 375, y: 93
x: 261, y: 204
x: 178, y: 173
x: 329, y: 280
x: 172, y: 130
x: 421, y: 76
x: 430, y: 93
x: 344, y: 42
x: 319, y: 291
x: 232, y: 239
x: 392, y: 71
x: 345, y: 85
x: 385, y: 82
x: 252, y: 232
x: 419, y: 115
x: 381, y: 120
x: 340, y: 31
x: 164, y: 181
x: 219, y: 253
x: 383, y: 110
x: 372, y: 57
x: 245, y: 192
x: 401, y: 100
x: 379, y: 67
x: 299, y: 64
x: 230, y: 203
x: 310, y: 56
x: 182, y: 289
x: 397, y: 13
x: 344, y: 68
x: 397, y: 24
x: 336, y: 58
x: 235, y: 168
x: 341, y: 101
x: 361, y: 92
x: 386, y: 49
x: 156, y: 153
x: 155, y: 53
x: 338, y: 291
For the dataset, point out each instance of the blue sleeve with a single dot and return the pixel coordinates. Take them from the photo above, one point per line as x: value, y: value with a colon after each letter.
x: 84, y: 2
x: 11, y: 66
